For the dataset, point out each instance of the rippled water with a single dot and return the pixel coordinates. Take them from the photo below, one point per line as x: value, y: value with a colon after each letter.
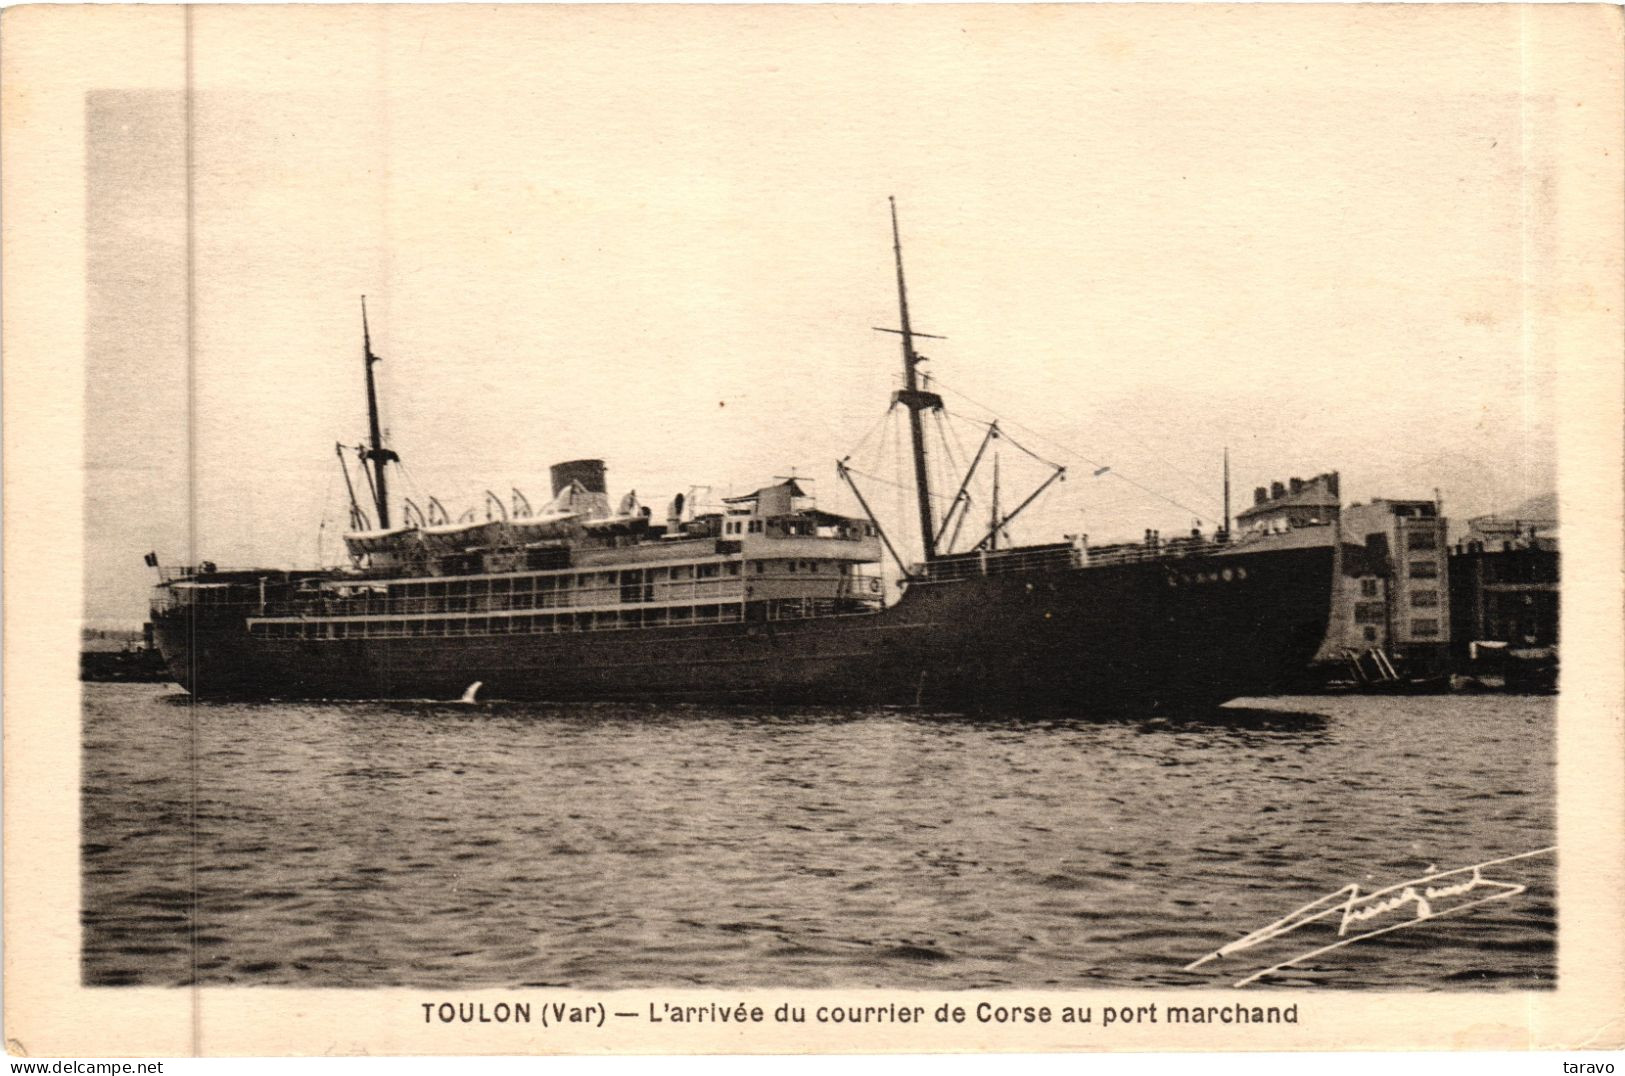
x: 438, y: 845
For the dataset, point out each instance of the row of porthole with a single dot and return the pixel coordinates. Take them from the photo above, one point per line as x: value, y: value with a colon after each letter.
x: 1187, y: 578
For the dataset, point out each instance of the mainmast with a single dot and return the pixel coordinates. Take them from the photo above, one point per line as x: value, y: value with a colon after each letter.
x: 378, y: 454
x: 913, y: 398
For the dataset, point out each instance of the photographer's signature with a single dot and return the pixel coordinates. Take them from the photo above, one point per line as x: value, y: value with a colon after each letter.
x: 1431, y: 896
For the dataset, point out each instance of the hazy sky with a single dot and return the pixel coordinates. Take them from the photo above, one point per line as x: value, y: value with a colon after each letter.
x: 1316, y: 235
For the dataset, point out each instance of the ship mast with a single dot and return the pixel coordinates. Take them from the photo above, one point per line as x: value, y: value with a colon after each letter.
x: 913, y: 398
x: 378, y: 454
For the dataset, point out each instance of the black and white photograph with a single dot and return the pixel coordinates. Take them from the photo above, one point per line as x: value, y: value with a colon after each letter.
x: 1017, y: 508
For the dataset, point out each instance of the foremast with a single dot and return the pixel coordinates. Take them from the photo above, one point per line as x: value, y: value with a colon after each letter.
x: 378, y: 454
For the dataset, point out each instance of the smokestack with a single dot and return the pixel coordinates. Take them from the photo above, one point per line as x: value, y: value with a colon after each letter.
x: 1297, y: 485
x: 1260, y: 494
x: 590, y: 473
x: 1277, y: 491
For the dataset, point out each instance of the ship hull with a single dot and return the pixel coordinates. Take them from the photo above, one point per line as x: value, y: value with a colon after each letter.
x: 1166, y: 633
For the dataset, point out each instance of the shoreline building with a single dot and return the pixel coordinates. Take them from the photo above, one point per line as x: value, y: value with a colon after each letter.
x: 1504, y: 581
x: 1405, y: 581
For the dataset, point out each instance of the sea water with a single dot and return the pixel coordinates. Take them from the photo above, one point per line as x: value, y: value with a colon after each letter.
x: 447, y: 845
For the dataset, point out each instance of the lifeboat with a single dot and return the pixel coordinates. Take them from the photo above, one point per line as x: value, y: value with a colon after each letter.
x: 369, y: 543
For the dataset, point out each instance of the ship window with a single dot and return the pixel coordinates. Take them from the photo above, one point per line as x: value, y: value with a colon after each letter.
x: 1425, y: 626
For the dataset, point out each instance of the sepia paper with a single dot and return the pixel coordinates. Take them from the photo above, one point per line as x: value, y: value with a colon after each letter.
x: 697, y: 196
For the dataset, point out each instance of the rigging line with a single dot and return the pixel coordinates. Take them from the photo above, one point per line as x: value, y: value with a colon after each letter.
x: 1074, y: 452
x: 1030, y: 452
x: 947, y: 449
x: 321, y: 529
x: 885, y: 482
x: 417, y: 490
x: 955, y: 431
x: 1006, y: 436
x: 898, y: 507
x: 947, y: 467
x: 884, y: 415
x: 1195, y: 484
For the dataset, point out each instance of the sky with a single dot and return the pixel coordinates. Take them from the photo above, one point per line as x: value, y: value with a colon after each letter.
x: 1317, y: 237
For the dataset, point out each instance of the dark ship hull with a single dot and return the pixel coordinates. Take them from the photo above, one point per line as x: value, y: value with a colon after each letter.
x: 1170, y: 632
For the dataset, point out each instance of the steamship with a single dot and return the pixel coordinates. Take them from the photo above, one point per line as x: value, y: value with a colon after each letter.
x: 762, y: 598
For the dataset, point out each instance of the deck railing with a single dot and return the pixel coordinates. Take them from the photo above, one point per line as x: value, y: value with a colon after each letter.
x: 1063, y: 558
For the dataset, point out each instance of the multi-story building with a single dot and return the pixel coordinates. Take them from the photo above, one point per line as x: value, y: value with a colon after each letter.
x: 1504, y: 579
x: 1402, y: 581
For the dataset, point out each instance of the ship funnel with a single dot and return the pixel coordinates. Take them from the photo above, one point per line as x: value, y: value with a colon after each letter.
x: 590, y: 473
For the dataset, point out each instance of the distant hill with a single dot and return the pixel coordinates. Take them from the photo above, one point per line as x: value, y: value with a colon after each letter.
x: 1541, y: 506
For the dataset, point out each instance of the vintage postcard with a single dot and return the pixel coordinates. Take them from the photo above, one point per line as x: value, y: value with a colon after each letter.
x: 793, y: 529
